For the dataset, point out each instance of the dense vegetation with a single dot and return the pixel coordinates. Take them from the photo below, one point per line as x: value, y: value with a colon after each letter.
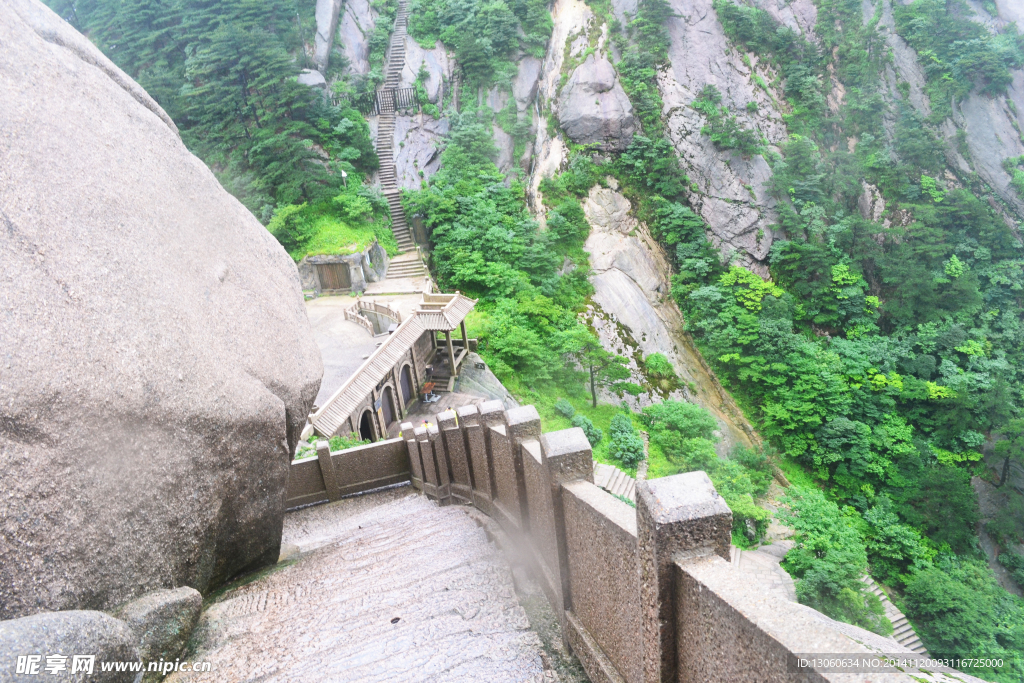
x: 225, y: 71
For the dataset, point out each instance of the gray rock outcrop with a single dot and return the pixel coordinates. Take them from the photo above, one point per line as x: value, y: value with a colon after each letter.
x: 313, y: 79
x: 71, y: 633
x: 162, y: 621
x: 730, y: 193
x: 417, y: 148
x: 593, y: 107
x: 326, y: 25
x: 354, y: 30
x: 157, y: 364
x: 635, y: 316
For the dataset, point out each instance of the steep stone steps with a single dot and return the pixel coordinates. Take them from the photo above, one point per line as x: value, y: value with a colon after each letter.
x: 385, y: 587
x: 385, y: 146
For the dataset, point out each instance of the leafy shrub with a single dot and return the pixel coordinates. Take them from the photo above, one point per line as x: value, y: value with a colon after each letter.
x: 565, y: 408
x: 1013, y: 562
x: 626, y: 445
x: 723, y: 128
x: 957, y: 607
x: 341, y: 442
x: 594, y: 434
x: 829, y: 560
x: 659, y: 366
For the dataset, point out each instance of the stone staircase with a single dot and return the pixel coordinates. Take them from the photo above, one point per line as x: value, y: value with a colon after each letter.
x: 902, y: 632
x: 614, y: 481
x: 385, y: 147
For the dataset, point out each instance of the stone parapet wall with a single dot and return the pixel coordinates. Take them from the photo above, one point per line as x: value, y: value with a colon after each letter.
x: 643, y: 595
x: 332, y: 475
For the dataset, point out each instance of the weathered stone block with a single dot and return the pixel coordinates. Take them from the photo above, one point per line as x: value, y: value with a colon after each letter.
x: 69, y: 633
x: 506, y: 487
x: 458, y: 458
x: 415, y: 461
x: 431, y: 480
x: 441, y: 462
x: 604, y: 582
x: 479, y: 458
x: 677, y: 517
x: 162, y: 621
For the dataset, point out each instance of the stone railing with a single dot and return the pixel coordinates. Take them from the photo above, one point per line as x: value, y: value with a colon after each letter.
x: 645, y: 595
x: 353, y: 315
x: 329, y: 476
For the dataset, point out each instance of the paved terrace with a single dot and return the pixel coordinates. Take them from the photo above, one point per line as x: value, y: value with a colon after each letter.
x: 383, y: 587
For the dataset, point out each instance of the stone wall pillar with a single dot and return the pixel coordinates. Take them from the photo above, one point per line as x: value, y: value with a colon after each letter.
x: 523, y: 425
x: 415, y: 461
x: 479, y: 459
x: 444, y: 482
x: 505, y: 488
x: 677, y: 517
x: 431, y: 480
x: 458, y: 458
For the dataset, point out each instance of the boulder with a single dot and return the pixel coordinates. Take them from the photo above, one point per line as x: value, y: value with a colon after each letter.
x: 162, y: 621
x: 313, y: 79
x: 593, y: 107
x: 434, y: 61
x: 69, y: 636
x: 157, y: 365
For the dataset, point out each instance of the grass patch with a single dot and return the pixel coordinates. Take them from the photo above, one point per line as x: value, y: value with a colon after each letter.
x: 331, y: 235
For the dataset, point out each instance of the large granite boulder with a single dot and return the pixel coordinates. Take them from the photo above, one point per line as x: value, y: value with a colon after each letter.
x: 593, y: 107
x: 156, y: 363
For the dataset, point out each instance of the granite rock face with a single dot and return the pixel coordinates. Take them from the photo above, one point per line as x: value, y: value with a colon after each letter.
x: 76, y: 632
x: 157, y: 363
x: 354, y: 30
x: 593, y: 107
x: 729, y: 189
x: 634, y: 315
x: 162, y: 621
x: 326, y: 25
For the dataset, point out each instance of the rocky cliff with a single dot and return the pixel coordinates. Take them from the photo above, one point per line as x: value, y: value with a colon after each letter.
x: 157, y: 364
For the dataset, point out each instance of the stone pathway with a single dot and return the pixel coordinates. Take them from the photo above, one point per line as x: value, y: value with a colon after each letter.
x: 763, y: 567
x: 382, y: 587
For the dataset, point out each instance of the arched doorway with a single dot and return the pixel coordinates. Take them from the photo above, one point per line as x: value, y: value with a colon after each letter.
x: 388, y: 407
x: 406, y: 386
x: 366, y: 426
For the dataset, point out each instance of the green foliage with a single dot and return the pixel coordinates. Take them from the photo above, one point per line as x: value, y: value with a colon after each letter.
x: 594, y: 434
x: 341, y: 442
x: 659, y: 367
x: 1007, y: 525
x: 958, y: 608
x: 565, y: 408
x: 626, y: 445
x: 723, y: 129
x: 485, y: 34
x: 800, y: 62
x: 226, y: 73
x: 1014, y: 563
x: 829, y: 560
x: 957, y: 53
x: 345, y: 224
x: 486, y: 244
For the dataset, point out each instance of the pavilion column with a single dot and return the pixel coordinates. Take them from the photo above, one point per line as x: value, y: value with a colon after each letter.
x: 451, y: 350
x: 465, y: 337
